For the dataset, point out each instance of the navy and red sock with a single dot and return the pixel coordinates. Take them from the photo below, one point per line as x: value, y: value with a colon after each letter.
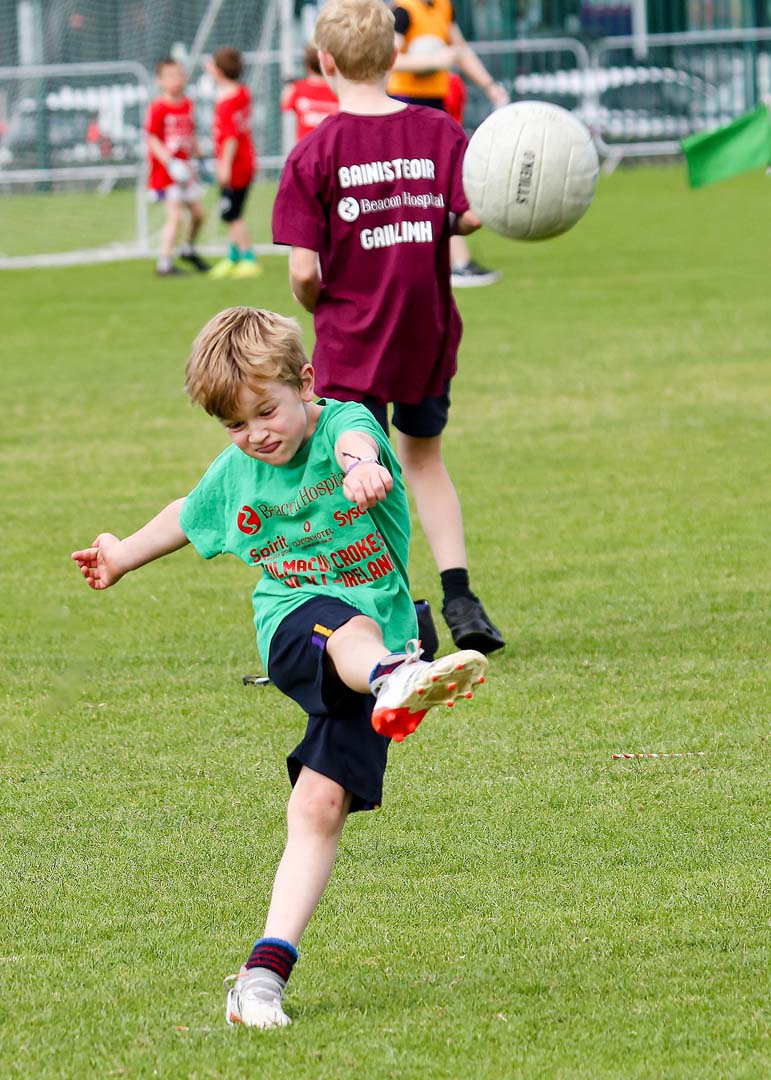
x: 273, y: 954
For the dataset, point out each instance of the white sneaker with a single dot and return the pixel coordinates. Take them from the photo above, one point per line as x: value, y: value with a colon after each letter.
x: 255, y: 1001
x: 405, y: 695
x: 472, y: 275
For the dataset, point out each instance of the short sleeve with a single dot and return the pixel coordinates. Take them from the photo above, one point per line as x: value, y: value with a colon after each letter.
x: 288, y: 97
x: 459, y: 204
x: 154, y: 120
x: 351, y: 416
x: 227, y: 127
x: 202, y: 519
x: 298, y: 215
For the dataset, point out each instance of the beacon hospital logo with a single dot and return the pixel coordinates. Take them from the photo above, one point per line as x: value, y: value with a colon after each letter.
x: 249, y: 521
x: 348, y: 208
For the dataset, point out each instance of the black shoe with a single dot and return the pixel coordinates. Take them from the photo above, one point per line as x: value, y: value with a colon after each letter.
x: 429, y: 639
x: 472, y: 275
x: 470, y: 626
x: 173, y: 271
x: 195, y: 260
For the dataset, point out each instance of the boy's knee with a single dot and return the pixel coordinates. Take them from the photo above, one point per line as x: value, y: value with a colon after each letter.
x: 319, y: 804
x: 421, y: 455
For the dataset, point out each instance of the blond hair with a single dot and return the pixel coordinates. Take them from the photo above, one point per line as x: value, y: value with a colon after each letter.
x: 242, y: 346
x: 359, y: 34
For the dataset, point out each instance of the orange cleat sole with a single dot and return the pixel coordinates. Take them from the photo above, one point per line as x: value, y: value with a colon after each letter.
x: 447, y: 679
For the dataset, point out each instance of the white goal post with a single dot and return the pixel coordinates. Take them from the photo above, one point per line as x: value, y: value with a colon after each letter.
x: 72, y: 148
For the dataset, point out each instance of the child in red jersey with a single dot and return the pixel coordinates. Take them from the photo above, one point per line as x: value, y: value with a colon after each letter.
x: 310, y: 99
x: 455, y: 98
x: 171, y: 146
x: 236, y: 161
x: 367, y: 202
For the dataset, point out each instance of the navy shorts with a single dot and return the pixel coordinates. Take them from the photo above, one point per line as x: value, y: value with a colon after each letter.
x: 232, y: 202
x: 425, y: 420
x: 429, y: 102
x: 339, y: 741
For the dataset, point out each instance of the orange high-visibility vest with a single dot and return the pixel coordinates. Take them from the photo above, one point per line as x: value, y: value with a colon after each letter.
x: 435, y: 19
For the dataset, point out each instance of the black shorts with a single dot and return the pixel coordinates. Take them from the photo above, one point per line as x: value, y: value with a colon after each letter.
x: 429, y: 102
x: 232, y: 202
x: 425, y: 420
x: 339, y: 741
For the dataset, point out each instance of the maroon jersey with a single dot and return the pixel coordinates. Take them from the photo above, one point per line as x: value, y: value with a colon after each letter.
x: 373, y: 196
x: 232, y: 120
x: 174, y: 124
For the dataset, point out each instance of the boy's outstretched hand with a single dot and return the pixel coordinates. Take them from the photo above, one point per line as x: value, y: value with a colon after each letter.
x: 99, y: 563
x: 367, y: 484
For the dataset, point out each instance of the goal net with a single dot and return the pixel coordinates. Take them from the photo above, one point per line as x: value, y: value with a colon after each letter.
x: 72, y: 105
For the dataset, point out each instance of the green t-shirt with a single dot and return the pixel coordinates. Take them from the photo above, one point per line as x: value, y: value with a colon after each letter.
x: 294, y: 522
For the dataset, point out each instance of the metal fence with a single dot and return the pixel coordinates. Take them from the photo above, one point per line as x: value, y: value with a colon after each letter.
x: 639, y: 95
x: 645, y: 96
x: 77, y: 127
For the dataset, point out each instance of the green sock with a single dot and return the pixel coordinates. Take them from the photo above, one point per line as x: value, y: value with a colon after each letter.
x: 234, y: 254
x: 248, y: 255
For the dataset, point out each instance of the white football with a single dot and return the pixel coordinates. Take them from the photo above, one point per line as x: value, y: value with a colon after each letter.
x: 530, y: 170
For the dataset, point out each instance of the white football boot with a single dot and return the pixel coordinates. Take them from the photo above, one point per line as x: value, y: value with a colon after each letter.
x: 406, y: 693
x: 254, y: 1000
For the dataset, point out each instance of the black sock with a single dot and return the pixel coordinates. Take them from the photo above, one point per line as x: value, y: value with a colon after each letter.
x: 455, y: 583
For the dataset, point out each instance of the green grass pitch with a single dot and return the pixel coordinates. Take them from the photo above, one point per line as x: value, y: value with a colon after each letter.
x: 523, y: 905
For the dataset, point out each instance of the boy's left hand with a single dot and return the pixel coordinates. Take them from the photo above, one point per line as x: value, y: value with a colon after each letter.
x: 367, y: 484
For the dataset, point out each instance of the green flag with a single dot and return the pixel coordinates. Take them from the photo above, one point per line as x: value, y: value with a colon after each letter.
x: 738, y: 147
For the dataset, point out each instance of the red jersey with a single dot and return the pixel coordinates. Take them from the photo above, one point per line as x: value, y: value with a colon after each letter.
x: 374, y: 195
x: 233, y: 120
x: 173, y: 122
x: 455, y: 98
x: 311, y: 100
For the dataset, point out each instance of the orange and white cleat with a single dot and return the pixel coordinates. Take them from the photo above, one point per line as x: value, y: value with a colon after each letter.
x: 405, y: 694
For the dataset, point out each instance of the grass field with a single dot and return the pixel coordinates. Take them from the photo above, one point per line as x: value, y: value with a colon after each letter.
x: 523, y: 905
x: 34, y: 225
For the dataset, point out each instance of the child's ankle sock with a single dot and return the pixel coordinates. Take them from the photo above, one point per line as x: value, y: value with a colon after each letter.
x: 273, y: 955
x: 455, y: 584
x: 248, y: 255
x: 187, y: 249
x: 234, y: 254
x: 163, y: 263
x: 385, y: 666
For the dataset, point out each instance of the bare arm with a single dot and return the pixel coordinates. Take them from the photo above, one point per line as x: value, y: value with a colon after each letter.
x: 304, y: 276
x: 225, y: 161
x: 472, y: 67
x: 420, y: 65
x: 158, y: 149
x: 467, y: 223
x: 178, y: 169
x: 108, y: 558
x: 367, y: 482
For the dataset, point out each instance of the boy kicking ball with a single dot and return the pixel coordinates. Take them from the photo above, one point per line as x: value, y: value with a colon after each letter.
x: 367, y: 202
x: 311, y: 492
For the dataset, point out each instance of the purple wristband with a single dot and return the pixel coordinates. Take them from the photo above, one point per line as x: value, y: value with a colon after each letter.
x: 361, y: 461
